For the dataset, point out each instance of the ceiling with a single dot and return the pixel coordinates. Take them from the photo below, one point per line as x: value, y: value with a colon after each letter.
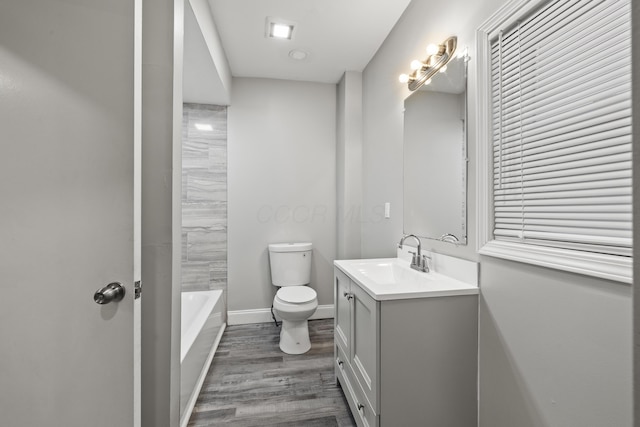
x: 337, y: 35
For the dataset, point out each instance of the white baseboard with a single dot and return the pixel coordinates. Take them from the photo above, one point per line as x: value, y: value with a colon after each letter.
x: 263, y: 315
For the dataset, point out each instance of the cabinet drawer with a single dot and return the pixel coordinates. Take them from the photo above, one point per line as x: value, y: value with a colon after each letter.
x: 362, y: 411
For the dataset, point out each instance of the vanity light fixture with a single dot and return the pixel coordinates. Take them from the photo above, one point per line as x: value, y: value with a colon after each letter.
x: 437, y: 59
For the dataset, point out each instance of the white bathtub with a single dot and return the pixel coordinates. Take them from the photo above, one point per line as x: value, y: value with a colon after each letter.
x: 202, y: 328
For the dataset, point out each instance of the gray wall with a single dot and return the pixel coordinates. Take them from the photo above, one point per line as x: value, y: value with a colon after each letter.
x: 282, y: 183
x: 384, y: 96
x: 349, y: 165
x: 555, y: 348
x: 204, y: 198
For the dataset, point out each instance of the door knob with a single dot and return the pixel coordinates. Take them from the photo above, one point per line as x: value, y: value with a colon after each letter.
x: 112, y: 292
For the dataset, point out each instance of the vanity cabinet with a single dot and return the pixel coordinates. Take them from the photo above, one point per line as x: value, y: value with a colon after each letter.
x: 356, y: 330
x: 406, y: 361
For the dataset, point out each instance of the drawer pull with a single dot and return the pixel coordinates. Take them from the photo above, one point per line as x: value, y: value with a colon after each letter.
x: 348, y: 296
x: 340, y: 362
x: 360, y: 406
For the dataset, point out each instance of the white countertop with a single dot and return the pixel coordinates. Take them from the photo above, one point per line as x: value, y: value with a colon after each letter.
x: 392, y: 279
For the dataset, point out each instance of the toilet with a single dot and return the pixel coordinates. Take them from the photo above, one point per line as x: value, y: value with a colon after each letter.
x: 294, y: 302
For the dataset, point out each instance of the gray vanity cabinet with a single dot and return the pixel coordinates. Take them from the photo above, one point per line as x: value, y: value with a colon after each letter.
x: 406, y: 362
x: 356, y: 337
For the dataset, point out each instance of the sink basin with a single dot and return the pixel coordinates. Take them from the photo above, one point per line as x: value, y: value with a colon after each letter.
x: 390, y: 272
x: 392, y: 278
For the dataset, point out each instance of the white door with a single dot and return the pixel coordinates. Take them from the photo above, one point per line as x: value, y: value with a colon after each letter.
x: 67, y: 212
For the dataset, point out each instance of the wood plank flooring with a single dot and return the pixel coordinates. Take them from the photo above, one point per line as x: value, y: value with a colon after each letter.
x: 252, y: 383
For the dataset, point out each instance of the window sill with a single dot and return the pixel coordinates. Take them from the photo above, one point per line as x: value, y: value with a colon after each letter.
x: 610, y: 267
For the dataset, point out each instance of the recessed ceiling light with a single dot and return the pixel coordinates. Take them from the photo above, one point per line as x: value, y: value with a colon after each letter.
x: 203, y: 126
x: 278, y: 29
x: 281, y: 31
x: 298, y: 55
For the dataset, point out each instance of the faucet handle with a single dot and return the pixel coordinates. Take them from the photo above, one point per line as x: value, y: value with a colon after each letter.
x: 425, y: 264
x: 414, y: 259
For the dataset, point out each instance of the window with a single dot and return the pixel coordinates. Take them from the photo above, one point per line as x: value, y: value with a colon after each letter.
x: 555, y: 81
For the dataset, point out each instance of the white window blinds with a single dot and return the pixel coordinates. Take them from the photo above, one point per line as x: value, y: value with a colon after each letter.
x: 561, y: 130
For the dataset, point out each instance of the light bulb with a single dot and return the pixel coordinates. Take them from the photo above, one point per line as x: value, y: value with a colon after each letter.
x: 432, y: 49
x: 427, y: 82
x: 443, y: 69
x: 403, y: 78
x: 416, y: 65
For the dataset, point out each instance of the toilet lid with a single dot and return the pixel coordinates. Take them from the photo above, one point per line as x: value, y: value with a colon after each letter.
x: 296, y: 294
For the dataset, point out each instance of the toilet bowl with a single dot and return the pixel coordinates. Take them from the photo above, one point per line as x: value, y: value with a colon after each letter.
x: 294, y: 306
x: 294, y: 302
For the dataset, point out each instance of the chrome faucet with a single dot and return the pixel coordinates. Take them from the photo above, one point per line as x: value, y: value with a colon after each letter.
x: 418, y: 261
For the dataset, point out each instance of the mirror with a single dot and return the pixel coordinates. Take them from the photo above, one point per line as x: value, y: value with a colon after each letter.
x: 435, y: 157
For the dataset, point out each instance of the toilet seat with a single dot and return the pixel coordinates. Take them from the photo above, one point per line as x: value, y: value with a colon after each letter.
x: 296, y: 294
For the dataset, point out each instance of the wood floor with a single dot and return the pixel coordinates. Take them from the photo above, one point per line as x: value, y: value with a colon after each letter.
x: 252, y: 383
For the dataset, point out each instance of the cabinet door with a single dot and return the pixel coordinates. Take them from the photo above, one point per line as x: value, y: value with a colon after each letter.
x: 342, y: 298
x: 364, y: 345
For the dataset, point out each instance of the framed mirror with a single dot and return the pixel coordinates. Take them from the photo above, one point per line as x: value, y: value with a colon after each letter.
x: 435, y: 157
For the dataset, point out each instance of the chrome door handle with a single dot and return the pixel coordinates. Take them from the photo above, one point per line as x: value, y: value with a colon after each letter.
x: 112, y: 292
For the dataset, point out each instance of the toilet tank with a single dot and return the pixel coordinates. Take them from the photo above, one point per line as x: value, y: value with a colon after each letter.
x: 290, y: 264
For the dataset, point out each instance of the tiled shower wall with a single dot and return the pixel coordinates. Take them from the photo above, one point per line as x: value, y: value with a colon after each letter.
x: 204, y: 198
